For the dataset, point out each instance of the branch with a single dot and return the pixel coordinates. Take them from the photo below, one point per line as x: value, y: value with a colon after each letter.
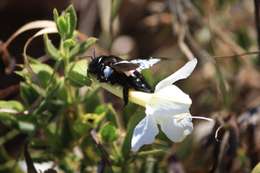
x: 257, y: 23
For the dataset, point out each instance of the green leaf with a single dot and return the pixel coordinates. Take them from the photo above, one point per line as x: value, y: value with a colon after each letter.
x: 154, y: 152
x: 7, y: 118
x: 42, y: 71
x: 66, y: 134
x: 66, y: 23
x: 72, y: 20
x: 62, y: 26
x: 69, y: 43
x: 132, y: 122
x: 92, y: 99
x: 82, y: 47
x: 82, y: 124
x: 26, y: 126
x: 28, y: 94
x: 37, y: 81
x: 243, y: 38
x: 108, y: 111
x: 78, y: 74
x: 62, y: 92
x: 112, y: 116
x: 115, y: 8
x: 55, y: 15
x: 7, y: 109
x: 256, y: 168
x: 38, y: 89
x: 108, y: 133
x: 67, y: 18
x: 87, y: 121
x: 15, y: 105
x: 100, y: 109
x: 51, y: 50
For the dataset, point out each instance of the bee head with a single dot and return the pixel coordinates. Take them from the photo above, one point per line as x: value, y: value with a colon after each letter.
x: 95, y: 65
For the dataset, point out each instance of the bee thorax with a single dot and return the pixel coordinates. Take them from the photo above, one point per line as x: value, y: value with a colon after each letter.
x: 107, y: 71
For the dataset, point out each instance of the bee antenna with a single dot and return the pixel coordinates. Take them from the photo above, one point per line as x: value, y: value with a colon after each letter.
x: 94, y: 54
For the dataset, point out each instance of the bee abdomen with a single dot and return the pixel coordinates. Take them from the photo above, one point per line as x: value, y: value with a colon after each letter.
x: 138, y: 82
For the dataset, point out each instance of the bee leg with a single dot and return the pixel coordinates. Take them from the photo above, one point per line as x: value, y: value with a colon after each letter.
x: 125, y: 95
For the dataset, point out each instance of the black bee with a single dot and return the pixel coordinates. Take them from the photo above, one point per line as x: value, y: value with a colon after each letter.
x: 114, y: 70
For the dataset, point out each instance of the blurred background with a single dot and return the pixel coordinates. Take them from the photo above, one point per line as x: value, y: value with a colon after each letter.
x: 225, y: 86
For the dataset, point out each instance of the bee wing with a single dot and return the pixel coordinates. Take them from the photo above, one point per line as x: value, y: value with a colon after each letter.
x: 124, y: 66
x: 136, y: 64
x: 145, y: 63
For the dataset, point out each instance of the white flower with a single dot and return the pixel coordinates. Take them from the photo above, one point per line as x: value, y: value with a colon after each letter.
x: 41, y: 167
x: 168, y: 107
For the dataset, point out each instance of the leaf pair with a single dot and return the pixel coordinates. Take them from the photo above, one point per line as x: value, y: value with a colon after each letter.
x: 66, y: 22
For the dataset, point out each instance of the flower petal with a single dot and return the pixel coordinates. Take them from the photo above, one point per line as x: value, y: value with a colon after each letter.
x: 167, y: 102
x: 176, y: 127
x: 171, y: 94
x: 182, y: 73
x: 144, y: 133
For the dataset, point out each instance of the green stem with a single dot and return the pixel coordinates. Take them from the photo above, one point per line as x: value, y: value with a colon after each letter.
x: 152, y: 152
x: 118, y: 118
x: 64, y: 52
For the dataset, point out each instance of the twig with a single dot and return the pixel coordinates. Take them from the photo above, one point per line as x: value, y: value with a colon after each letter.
x: 28, y: 160
x: 8, y: 61
x: 236, y: 55
x: 184, y: 48
x: 119, y: 119
x: 8, y: 91
x: 197, y: 49
x: 181, y: 27
x: 105, y: 157
x: 225, y: 38
x: 257, y: 23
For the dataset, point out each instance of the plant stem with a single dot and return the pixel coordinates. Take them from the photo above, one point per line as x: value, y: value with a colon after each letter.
x: 257, y: 22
